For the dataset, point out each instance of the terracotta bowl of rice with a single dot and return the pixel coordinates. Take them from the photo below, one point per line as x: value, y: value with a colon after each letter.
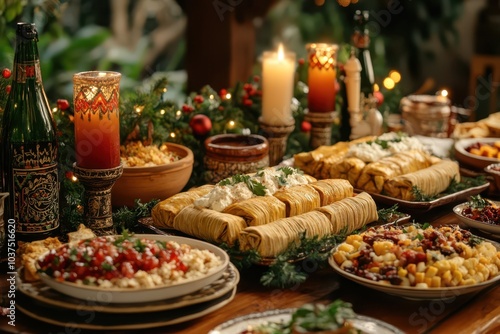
x: 151, y: 172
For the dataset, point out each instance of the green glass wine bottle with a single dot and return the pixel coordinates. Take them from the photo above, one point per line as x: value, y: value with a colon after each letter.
x: 29, y: 146
x: 361, y: 41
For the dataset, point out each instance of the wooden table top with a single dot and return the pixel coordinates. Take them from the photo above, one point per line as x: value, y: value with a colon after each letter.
x: 474, y: 313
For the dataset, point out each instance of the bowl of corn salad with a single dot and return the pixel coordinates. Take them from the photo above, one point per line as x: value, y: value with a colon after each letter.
x: 151, y: 172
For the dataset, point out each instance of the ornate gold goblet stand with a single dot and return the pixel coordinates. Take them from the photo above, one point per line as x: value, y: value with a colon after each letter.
x: 97, y: 197
x: 277, y: 135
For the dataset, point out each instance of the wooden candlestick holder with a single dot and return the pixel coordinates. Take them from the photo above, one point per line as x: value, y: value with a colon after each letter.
x: 277, y: 135
x: 321, y: 130
x: 98, y: 213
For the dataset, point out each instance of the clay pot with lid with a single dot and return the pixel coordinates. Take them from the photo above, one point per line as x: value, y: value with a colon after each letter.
x: 230, y: 154
x: 427, y: 115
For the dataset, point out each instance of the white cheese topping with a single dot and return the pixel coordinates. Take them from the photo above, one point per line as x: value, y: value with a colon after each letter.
x: 372, y: 151
x: 272, y: 179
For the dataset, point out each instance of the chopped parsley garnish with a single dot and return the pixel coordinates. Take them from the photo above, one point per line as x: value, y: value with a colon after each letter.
x: 255, y: 187
x: 73, y: 252
x: 139, y: 246
x: 474, y: 240
x: 86, y: 256
x: 126, y: 235
x: 289, y: 171
x: 282, y: 181
x: 107, y: 266
x: 161, y: 244
x: 477, y: 202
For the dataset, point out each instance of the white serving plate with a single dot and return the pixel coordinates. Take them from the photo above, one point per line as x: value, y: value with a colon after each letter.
x: 238, y: 325
x: 39, y: 292
x: 493, y: 230
x: 105, y: 322
x: 414, y: 293
x: 142, y: 295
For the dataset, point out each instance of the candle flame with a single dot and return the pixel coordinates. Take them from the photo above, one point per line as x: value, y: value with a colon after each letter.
x: 281, y: 53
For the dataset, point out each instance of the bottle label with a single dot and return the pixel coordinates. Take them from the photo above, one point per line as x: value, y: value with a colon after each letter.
x: 36, y: 187
x: 28, y: 70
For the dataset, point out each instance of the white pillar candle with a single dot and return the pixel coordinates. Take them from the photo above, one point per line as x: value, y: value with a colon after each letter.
x: 278, y: 71
x: 352, y: 81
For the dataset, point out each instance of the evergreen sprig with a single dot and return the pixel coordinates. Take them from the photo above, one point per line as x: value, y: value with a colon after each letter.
x: 127, y: 219
x: 285, y: 272
x: 465, y: 183
x: 241, y: 259
x: 454, y: 187
x: 386, y: 215
x: 419, y: 196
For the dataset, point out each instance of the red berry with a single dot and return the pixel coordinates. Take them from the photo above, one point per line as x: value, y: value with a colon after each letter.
x: 379, y: 96
x: 6, y: 73
x: 200, y: 124
x: 8, y: 88
x: 222, y: 92
x: 220, y: 108
x: 305, y: 126
x: 256, y: 78
x: 69, y: 175
x: 62, y: 104
x: 247, y: 87
x: 187, y: 108
x: 198, y: 99
x: 247, y: 102
x: 301, y: 61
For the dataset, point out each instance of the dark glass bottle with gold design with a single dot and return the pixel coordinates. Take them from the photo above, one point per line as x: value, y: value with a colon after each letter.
x: 29, y: 146
x: 361, y: 41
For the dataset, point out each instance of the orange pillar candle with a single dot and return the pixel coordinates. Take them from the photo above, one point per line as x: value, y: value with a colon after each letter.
x: 322, y: 76
x: 96, y: 117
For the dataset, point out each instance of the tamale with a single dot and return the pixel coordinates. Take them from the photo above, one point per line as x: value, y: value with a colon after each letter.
x: 164, y: 212
x: 429, y: 181
x: 209, y: 225
x: 258, y: 210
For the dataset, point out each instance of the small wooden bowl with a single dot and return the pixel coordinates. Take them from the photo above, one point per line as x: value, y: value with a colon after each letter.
x: 230, y: 154
x: 154, y: 182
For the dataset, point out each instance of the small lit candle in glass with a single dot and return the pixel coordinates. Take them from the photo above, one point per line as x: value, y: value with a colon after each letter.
x: 442, y: 96
x: 96, y: 117
x: 278, y: 71
x: 322, y: 76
